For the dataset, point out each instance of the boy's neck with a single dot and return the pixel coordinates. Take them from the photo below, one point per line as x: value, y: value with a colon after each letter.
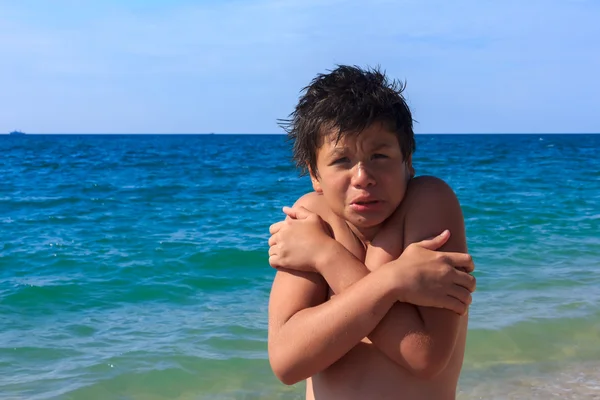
x: 365, y: 235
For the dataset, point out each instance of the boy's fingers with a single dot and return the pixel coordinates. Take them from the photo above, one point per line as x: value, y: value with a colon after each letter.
x: 272, y: 240
x: 435, y: 242
x: 298, y: 212
x: 272, y: 261
x: 467, y: 281
x: 290, y: 212
x: 273, y: 229
x: 462, y: 294
x: 461, y: 260
x: 455, y: 305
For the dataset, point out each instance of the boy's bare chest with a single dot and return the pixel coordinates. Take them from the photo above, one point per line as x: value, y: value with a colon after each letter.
x: 386, y: 246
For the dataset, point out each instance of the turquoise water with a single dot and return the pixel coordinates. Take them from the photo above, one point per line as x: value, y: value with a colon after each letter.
x: 135, y: 267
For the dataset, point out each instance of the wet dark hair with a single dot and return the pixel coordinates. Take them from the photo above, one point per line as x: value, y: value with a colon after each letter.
x: 347, y: 100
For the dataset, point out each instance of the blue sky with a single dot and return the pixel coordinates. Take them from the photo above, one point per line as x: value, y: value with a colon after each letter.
x: 237, y: 66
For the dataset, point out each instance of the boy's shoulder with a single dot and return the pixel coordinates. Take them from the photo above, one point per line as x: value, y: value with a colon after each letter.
x: 314, y: 202
x: 425, y: 192
x: 426, y: 185
x: 429, y: 207
x: 421, y: 192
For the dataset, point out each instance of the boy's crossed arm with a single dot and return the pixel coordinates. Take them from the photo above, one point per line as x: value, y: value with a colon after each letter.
x: 366, y: 304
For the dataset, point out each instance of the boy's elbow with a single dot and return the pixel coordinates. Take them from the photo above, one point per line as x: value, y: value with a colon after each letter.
x: 283, y: 369
x: 288, y: 380
x: 285, y: 375
x: 427, y: 364
x: 428, y: 370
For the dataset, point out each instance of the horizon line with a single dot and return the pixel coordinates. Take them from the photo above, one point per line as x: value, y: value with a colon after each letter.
x: 283, y: 134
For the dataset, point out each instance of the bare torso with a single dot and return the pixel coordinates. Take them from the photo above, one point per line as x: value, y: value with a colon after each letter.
x: 365, y: 372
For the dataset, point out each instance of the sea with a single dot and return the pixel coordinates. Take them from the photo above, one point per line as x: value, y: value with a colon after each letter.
x: 135, y: 266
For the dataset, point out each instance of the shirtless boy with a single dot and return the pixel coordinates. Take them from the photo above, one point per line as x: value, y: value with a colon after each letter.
x: 372, y: 288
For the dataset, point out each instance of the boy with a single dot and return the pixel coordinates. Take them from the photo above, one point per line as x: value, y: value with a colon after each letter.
x: 363, y: 305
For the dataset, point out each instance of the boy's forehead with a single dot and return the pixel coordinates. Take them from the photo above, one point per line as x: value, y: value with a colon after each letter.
x: 333, y: 141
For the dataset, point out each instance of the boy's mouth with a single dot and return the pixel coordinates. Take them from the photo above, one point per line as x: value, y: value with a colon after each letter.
x: 362, y: 203
x: 365, y: 205
x: 365, y: 199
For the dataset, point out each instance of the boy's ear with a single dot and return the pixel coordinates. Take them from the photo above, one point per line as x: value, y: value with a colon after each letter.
x: 409, y: 167
x: 315, y: 181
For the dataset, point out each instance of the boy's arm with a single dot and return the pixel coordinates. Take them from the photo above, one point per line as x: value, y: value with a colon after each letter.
x: 433, y: 208
x: 412, y: 337
x: 402, y: 334
x: 307, y: 334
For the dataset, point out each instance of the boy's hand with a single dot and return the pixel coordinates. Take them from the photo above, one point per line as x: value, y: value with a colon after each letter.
x: 297, y: 242
x: 432, y: 278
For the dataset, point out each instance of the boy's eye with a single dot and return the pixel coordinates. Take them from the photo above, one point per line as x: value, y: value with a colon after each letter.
x: 379, y: 156
x: 341, y: 160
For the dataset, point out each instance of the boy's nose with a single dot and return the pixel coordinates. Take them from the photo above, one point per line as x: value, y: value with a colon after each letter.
x: 362, y: 177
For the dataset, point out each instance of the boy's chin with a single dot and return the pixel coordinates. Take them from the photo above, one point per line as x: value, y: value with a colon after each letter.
x: 366, y: 222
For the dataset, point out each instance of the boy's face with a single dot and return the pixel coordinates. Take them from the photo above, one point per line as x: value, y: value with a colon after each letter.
x: 363, y: 178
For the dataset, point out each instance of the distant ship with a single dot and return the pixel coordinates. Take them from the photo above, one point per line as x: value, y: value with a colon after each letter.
x: 17, y: 133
